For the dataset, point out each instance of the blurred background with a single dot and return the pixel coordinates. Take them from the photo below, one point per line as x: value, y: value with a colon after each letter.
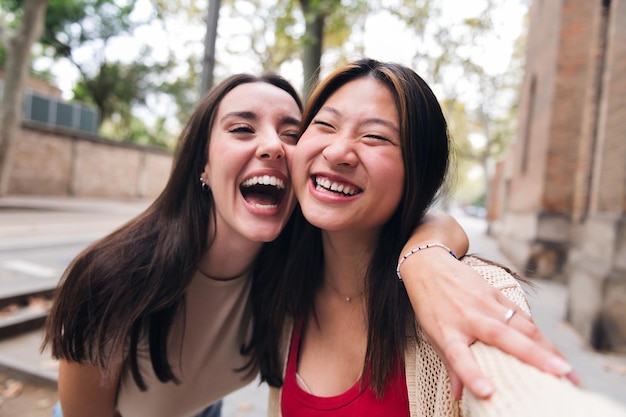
x: 95, y: 92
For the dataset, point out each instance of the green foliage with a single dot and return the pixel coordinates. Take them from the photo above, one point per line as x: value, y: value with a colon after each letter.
x: 137, y: 131
x: 301, y: 30
x: 115, y: 88
x: 452, y: 63
x: 274, y: 36
x: 183, y: 91
x: 70, y: 24
x: 10, y: 19
x: 341, y: 19
x: 271, y: 35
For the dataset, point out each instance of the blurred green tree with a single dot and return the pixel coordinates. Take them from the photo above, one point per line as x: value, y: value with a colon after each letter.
x: 481, y: 103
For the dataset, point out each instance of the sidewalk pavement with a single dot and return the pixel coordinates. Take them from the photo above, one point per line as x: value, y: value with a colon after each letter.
x: 44, y: 222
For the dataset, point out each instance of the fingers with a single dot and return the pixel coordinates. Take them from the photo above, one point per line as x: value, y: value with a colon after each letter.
x: 456, y: 386
x: 463, y: 370
x: 523, y: 339
x: 522, y: 322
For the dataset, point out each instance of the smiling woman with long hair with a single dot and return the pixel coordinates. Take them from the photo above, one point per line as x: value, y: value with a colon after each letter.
x: 372, y: 158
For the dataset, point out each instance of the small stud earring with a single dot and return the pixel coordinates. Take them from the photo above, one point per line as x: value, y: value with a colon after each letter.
x: 205, y: 186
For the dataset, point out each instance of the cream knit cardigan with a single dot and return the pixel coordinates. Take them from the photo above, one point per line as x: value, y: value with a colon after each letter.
x: 521, y: 390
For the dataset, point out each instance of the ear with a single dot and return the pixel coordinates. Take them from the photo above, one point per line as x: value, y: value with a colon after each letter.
x: 204, y: 176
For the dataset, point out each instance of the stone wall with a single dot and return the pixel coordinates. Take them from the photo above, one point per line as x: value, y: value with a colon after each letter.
x: 563, y: 184
x: 60, y: 162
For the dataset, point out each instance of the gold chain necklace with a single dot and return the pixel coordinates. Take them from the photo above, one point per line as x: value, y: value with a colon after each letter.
x: 345, y: 297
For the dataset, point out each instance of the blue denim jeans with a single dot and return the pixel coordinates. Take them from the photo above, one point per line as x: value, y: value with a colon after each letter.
x: 214, y: 410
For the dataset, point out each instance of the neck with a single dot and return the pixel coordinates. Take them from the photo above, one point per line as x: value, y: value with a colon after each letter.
x: 346, y: 259
x: 229, y: 257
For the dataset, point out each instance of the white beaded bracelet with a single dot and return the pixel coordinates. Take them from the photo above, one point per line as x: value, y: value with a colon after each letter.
x: 419, y: 248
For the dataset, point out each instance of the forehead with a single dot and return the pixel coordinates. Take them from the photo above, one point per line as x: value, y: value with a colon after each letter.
x: 260, y: 98
x: 363, y: 97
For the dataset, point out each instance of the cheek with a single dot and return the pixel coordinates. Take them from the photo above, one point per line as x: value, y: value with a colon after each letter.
x: 289, y: 154
x: 393, y: 182
x: 298, y: 156
x: 299, y: 169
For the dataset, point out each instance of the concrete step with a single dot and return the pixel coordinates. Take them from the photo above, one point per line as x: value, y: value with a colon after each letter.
x: 25, y: 311
x: 22, y: 315
x: 21, y: 358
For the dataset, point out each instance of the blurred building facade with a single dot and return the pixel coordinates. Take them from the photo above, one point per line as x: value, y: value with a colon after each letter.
x: 559, y: 199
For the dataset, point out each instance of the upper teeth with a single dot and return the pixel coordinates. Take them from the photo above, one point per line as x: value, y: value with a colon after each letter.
x: 264, y: 180
x: 333, y: 186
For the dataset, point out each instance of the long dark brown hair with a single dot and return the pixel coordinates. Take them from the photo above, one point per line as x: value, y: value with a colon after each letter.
x: 131, y: 284
x: 425, y: 153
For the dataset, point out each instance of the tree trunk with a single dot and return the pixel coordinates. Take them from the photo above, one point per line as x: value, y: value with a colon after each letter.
x: 312, y: 47
x: 18, y: 53
x: 208, y: 61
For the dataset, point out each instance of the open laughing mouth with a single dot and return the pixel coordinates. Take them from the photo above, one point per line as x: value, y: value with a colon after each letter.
x: 263, y: 191
x: 325, y: 184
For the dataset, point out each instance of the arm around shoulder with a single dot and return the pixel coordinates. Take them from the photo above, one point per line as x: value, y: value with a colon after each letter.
x: 84, y: 392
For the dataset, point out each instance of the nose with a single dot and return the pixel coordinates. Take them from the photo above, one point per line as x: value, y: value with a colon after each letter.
x: 340, y: 152
x: 270, y: 147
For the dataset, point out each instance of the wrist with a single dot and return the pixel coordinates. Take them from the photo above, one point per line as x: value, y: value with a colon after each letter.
x: 411, y: 252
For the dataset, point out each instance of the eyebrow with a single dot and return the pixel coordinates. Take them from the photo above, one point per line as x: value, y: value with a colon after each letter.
x: 248, y: 115
x: 370, y: 120
x: 288, y: 120
x: 240, y: 114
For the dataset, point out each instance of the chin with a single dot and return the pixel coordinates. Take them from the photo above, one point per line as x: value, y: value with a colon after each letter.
x: 266, y: 235
x: 321, y: 220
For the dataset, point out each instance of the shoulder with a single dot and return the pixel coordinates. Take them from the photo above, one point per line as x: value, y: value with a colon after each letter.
x: 500, y: 277
x: 495, y: 274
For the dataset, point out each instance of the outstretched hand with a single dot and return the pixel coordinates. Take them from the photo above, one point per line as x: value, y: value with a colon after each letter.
x: 455, y: 307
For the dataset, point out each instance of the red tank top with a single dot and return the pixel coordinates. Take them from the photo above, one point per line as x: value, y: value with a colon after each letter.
x: 359, y: 400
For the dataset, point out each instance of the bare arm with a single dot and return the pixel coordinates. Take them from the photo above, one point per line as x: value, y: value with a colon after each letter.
x: 83, y: 392
x: 455, y: 307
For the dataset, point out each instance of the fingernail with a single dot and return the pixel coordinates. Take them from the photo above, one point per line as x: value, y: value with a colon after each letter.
x: 559, y: 366
x: 575, y: 378
x: 482, y: 388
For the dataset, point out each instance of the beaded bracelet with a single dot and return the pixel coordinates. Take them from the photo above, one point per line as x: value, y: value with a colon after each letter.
x: 419, y: 248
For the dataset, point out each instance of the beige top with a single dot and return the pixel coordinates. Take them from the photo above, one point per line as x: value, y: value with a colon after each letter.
x: 217, y: 323
x: 521, y: 390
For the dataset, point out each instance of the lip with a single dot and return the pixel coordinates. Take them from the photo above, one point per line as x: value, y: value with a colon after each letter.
x: 333, y: 188
x: 265, y: 192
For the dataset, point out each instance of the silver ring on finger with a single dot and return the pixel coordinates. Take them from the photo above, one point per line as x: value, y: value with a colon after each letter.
x: 509, y: 315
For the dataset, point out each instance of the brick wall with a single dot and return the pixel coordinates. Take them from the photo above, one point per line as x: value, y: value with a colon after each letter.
x: 564, y: 193
x: 610, y: 175
x: 528, y: 153
x: 572, y: 100
x: 60, y: 162
x: 597, y: 268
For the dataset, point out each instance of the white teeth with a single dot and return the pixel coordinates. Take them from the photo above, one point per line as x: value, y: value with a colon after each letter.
x: 325, y: 184
x: 265, y: 206
x: 264, y: 180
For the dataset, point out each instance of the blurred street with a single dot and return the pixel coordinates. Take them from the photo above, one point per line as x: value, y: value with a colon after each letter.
x: 39, y: 237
